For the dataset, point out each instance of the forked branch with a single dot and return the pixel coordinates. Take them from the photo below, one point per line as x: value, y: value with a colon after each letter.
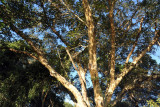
x: 135, y: 61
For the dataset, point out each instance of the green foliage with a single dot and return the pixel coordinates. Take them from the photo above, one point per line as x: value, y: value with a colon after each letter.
x: 152, y: 103
x: 66, y: 104
x: 20, y: 45
x: 33, y: 91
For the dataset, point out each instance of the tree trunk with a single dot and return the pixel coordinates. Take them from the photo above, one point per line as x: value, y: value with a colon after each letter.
x: 92, y: 55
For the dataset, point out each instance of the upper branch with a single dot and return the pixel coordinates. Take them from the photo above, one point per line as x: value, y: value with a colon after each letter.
x: 126, y: 70
x: 60, y: 36
x: 111, y: 17
x: 72, y: 12
x: 135, y: 43
x: 71, y: 59
x: 52, y: 27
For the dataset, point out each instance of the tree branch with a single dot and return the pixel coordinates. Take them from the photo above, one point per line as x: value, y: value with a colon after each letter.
x: 158, y: 43
x: 135, y: 43
x: 128, y: 27
x: 111, y: 87
x: 82, y: 80
x: 61, y: 63
x: 60, y: 36
x: 23, y: 52
x: 52, y: 27
x: 72, y: 12
x: 136, y: 83
x: 71, y: 59
x: 44, y: 62
x: 126, y: 70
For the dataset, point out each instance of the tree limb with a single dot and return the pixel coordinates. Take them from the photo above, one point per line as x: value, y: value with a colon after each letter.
x: 82, y: 80
x: 52, y: 27
x: 71, y: 59
x: 24, y: 52
x: 136, y: 83
x: 110, y: 89
x: 126, y: 70
x: 72, y: 12
x: 60, y: 36
x: 44, y: 62
x: 135, y: 43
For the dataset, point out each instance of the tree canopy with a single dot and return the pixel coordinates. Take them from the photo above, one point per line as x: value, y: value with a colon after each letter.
x: 49, y: 47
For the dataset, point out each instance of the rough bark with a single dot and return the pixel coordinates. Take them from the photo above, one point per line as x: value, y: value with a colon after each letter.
x: 112, y: 86
x: 92, y: 54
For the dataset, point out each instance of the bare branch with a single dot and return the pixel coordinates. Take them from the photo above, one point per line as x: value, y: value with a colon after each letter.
x: 135, y: 43
x: 136, y: 83
x: 72, y: 12
x: 82, y: 79
x: 71, y: 59
x: 77, y: 53
x: 60, y: 36
x: 109, y: 91
x: 128, y: 27
x: 158, y: 43
x: 61, y: 62
x: 52, y: 27
x: 24, y: 52
x: 81, y: 74
x: 92, y: 54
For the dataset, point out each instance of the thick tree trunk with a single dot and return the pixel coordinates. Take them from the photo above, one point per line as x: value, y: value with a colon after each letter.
x: 92, y: 55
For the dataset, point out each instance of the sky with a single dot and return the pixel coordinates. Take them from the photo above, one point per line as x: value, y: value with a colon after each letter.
x: 156, y: 56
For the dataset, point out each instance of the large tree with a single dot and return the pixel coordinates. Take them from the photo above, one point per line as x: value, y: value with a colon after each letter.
x: 95, y: 36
